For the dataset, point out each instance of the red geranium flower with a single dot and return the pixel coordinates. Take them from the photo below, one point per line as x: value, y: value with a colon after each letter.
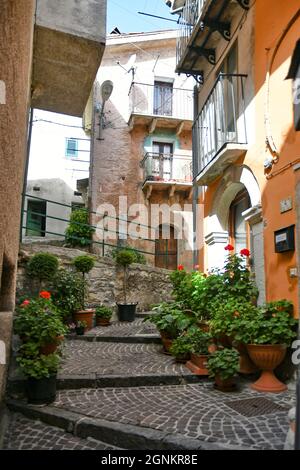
x: 25, y: 303
x: 45, y: 294
x: 229, y: 248
x: 245, y: 252
x: 180, y: 267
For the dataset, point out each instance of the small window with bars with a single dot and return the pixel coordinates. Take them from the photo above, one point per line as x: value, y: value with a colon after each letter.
x: 72, y: 148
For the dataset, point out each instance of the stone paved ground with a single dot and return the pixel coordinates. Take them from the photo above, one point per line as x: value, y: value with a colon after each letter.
x: 26, y: 434
x: 105, y: 359
x: 195, y: 411
x: 124, y: 329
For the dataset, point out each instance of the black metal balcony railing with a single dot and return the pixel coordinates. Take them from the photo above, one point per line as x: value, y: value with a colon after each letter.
x: 221, y: 120
x: 189, y: 18
x: 167, y: 167
x: 161, y: 100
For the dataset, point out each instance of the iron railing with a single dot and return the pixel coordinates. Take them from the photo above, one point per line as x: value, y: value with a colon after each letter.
x: 167, y: 167
x: 161, y: 100
x: 221, y: 120
x: 190, y: 15
x: 105, y: 238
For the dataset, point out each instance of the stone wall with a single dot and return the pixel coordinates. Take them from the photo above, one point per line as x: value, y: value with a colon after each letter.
x: 147, y: 285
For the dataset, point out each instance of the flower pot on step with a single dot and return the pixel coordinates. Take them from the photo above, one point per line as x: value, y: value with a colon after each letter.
x: 41, y: 391
x: 86, y: 316
x: 267, y: 357
x: 126, y: 312
x: 50, y: 348
x: 198, y: 364
x: 225, y: 385
x: 102, y: 321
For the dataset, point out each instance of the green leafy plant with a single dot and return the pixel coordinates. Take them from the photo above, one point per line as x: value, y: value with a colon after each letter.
x: 125, y: 258
x: 139, y: 257
x: 68, y: 292
x: 84, y: 264
x: 170, y: 319
x: 39, y: 367
x: 104, y: 312
x: 79, y: 232
x: 42, y: 266
x: 181, y: 347
x: 273, y: 324
x: 224, y: 363
x: 199, y: 340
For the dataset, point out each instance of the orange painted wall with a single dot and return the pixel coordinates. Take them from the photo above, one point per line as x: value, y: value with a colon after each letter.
x: 276, y: 32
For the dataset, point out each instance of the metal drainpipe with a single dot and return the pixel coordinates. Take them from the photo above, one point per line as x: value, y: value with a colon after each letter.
x: 195, y: 187
x: 26, y: 171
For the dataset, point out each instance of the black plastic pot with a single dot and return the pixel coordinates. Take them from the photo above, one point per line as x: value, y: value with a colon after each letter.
x: 41, y: 391
x: 126, y: 312
x: 80, y: 330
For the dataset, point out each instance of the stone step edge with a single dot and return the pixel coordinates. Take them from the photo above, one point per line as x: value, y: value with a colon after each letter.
x: 117, y: 339
x: 16, y: 386
x: 126, y: 436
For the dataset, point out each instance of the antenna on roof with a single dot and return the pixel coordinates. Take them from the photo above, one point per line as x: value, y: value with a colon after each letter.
x: 160, y: 17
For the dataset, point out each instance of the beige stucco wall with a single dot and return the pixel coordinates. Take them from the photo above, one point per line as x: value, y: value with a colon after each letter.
x: 16, y: 26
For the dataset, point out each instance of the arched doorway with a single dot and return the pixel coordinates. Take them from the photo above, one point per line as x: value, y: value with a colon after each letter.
x: 166, y: 248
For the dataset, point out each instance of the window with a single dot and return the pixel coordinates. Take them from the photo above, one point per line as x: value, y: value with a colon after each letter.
x: 162, y: 160
x: 238, y: 228
x: 163, y: 98
x: 72, y: 148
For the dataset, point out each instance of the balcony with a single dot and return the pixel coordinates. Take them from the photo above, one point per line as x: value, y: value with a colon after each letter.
x: 68, y: 47
x: 219, y: 132
x: 167, y: 172
x: 161, y: 106
x: 197, y: 41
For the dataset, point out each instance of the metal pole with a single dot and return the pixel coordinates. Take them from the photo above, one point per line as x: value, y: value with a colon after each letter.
x: 26, y: 171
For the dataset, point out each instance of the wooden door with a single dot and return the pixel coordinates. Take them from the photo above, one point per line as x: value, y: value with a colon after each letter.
x: 166, y: 249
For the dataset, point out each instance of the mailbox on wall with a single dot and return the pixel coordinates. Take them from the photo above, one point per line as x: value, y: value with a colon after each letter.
x: 285, y: 239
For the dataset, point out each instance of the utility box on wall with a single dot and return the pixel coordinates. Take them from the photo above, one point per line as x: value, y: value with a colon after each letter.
x: 285, y: 239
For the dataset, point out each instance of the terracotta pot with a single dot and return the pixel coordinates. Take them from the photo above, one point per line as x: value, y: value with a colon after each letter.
x: 85, y: 315
x: 246, y: 365
x: 167, y: 342
x: 102, y: 321
x: 227, y: 385
x: 267, y: 357
x: 183, y: 358
x: 50, y: 348
x: 225, y: 341
x: 198, y: 364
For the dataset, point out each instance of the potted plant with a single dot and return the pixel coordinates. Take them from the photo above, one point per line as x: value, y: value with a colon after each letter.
x: 267, y: 336
x: 43, y: 267
x: 171, y: 321
x: 201, y: 344
x: 39, y: 322
x: 80, y: 327
x: 103, y: 315
x: 223, y: 366
x: 68, y: 289
x: 41, y: 372
x: 181, y: 348
x: 126, y: 310
x: 84, y: 264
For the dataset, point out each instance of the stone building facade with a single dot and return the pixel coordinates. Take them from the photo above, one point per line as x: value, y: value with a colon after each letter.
x: 142, y: 154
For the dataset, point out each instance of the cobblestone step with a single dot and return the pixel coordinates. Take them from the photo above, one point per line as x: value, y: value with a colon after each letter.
x: 101, y: 365
x: 27, y: 434
x: 169, y: 417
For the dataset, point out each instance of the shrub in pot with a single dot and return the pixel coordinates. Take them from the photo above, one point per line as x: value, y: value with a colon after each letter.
x: 200, y: 342
x: 43, y: 267
x: 223, y: 366
x: 68, y: 289
x: 267, y: 336
x: 124, y: 258
x: 181, y: 348
x: 103, y: 315
x: 84, y: 264
x: 41, y: 372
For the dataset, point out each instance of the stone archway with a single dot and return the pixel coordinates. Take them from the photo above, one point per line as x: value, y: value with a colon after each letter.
x: 236, y: 179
